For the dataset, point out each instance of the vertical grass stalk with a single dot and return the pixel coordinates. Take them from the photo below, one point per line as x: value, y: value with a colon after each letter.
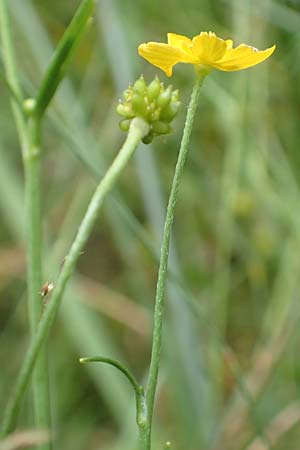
x: 32, y: 167
x: 28, y: 132
x: 11, y: 72
x: 145, y: 438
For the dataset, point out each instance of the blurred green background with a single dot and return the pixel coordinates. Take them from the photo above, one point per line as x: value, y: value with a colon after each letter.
x: 230, y: 363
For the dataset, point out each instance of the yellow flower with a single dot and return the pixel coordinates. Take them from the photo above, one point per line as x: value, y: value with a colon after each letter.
x: 205, y: 50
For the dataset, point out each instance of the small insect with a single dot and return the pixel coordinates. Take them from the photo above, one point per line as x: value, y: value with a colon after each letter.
x: 46, y: 289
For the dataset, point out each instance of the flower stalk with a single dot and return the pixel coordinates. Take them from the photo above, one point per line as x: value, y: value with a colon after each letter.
x: 138, y: 129
x: 163, y: 264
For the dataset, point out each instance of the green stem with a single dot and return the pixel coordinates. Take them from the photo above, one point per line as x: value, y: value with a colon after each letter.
x: 32, y: 166
x: 137, y: 131
x: 141, y: 416
x: 28, y: 132
x: 12, y: 72
x: 116, y: 364
x: 11, y: 91
x: 163, y: 265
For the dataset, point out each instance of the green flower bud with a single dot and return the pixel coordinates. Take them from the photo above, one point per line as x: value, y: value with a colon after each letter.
x: 124, y: 110
x: 125, y: 124
x: 138, y: 105
x: 175, y: 96
x: 155, y: 115
x: 165, y: 97
x: 170, y: 111
x: 153, y: 89
x: 140, y: 86
x: 155, y: 104
x: 161, y: 127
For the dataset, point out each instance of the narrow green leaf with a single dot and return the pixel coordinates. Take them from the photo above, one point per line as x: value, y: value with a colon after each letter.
x: 66, y: 47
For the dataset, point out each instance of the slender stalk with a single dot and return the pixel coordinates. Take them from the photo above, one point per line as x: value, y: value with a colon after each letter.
x: 12, y: 93
x: 163, y: 265
x: 141, y: 417
x: 28, y: 131
x: 32, y: 166
x: 12, y: 72
x: 138, y: 129
x: 116, y: 364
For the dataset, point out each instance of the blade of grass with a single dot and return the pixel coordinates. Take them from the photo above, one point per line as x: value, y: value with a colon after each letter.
x: 66, y: 47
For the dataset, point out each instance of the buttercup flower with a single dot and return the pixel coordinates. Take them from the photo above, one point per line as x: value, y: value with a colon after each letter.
x: 206, y: 51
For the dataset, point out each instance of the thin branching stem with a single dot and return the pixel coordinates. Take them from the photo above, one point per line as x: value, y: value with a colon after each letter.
x: 138, y: 129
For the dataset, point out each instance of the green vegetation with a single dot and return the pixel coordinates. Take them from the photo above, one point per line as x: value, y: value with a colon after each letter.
x: 230, y: 372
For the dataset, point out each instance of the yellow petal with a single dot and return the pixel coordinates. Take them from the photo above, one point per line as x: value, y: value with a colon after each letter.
x: 177, y: 40
x: 208, y: 48
x: 183, y: 43
x: 163, y: 56
x: 229, y: 43
x: 242, y: 57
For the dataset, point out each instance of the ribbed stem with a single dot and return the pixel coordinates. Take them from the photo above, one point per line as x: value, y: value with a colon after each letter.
x: 163, y: 264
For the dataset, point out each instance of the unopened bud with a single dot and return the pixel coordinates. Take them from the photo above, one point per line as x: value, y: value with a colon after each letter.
x: 138, y: 105
x: 124, y: 110
x: 124, y: 124
x: 175, y: 95
x: 140, y: 86
x: 170, y: 111
x: 155, y: 115
x: 153, y: 89
x: 165, y: 97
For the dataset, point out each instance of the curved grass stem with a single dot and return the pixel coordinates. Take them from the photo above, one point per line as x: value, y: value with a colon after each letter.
x: 138, y: 129
x: 116, y: 364
x: 138, y: 389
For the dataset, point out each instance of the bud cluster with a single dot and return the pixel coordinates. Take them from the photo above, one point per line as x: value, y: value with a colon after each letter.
x: 154, y: 103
